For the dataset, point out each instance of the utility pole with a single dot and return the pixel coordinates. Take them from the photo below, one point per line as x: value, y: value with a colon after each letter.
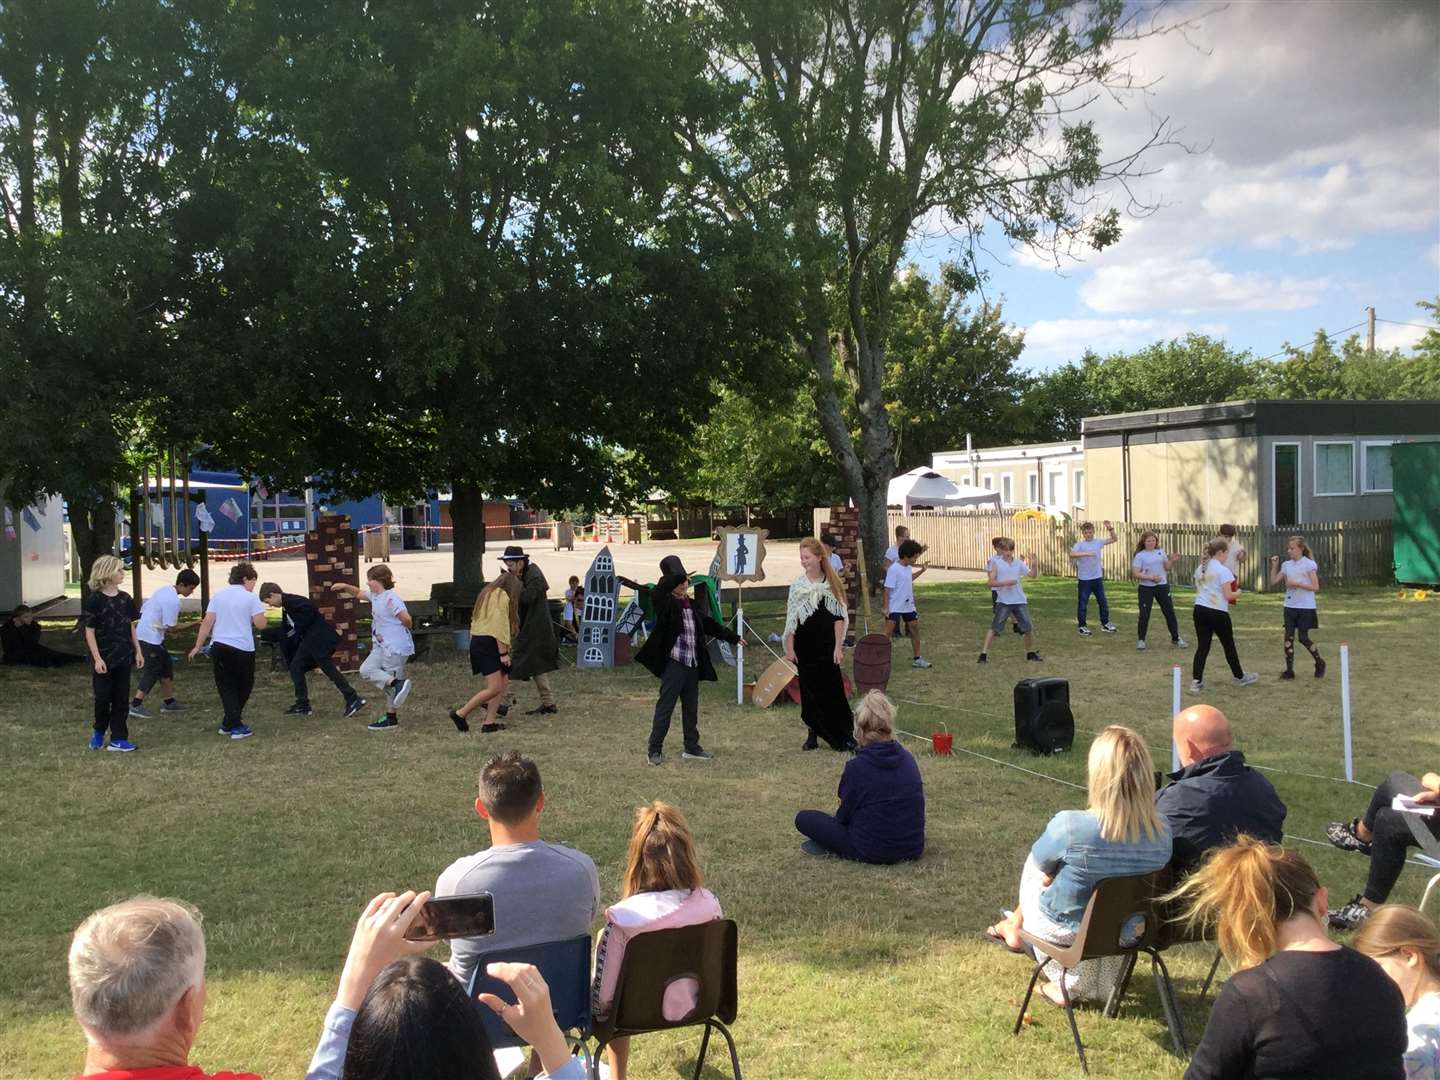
x: 1370, y: 330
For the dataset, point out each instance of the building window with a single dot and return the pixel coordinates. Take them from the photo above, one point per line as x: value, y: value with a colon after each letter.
x: 594, y: 656
x: 1033, y: 488
x: 1007, y: 490
x: 1057, y: 489
x: 1377, y: 468
x: 1334, y: 468
x: 1079, y: 487
x: 987, y: 482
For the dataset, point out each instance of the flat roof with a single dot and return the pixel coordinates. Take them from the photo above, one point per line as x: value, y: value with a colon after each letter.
x: 1269, y: 416
x: 1067, y: 444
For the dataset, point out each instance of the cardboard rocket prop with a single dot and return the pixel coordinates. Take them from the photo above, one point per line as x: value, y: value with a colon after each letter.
x: 597, y: 618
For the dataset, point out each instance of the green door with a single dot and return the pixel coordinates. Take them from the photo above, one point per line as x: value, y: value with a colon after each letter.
x: 1416, y: 469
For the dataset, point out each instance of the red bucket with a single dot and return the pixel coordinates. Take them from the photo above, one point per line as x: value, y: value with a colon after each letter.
x: 941, y: 741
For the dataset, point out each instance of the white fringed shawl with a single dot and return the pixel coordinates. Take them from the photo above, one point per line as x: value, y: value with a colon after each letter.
x: 806, y: 597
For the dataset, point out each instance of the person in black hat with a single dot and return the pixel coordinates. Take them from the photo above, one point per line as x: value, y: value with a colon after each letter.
x: 534, y: 653
x: 676, y: 653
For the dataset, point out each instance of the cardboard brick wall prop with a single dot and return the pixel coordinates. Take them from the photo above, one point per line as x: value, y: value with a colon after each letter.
x: 331, y: 554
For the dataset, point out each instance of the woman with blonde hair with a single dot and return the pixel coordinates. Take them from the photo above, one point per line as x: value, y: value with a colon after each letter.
x: 109, y: 616
x: 494, y: 624
x: 816, y: 617
x: 1119, y: 834
x: 662, y: 889
x: 1298, y: 1004
x: 881, y: 818
x: 1406, y: 944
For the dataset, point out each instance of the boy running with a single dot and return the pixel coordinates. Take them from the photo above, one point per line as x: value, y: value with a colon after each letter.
x: 900, y: 596
x: 391, y: 644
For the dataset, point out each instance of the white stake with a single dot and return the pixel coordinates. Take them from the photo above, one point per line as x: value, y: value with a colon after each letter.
x: 1174, y: 712
x: 1345, y: 709
x: 739, y: 649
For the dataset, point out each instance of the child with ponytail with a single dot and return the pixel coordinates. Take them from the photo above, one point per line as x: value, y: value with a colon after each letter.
x: 1302, y: 582
x: 1406, y: 944
x: 1297, y: 1005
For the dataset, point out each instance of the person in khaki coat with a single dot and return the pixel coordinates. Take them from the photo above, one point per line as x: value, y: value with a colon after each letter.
x: 535, y: 652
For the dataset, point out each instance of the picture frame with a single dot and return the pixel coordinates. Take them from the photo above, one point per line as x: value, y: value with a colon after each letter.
x: 742, y: 554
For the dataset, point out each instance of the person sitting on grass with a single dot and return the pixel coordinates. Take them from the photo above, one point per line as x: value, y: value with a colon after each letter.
x: 1298, y: 1005
x: 20, y: 642
x: 137, y: 985
x: 662, y: 890
x: 398, y: 1016
x: 881, y: 818
x: 1406, y: 943
x: 1385, y: 835
x: 543, y: 892
x: 1119, y: 834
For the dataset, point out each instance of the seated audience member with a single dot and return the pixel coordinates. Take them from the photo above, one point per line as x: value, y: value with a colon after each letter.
x: 881, y: 818
x: 1385, y: 834
x: 20, y: 643
x: 1406, y: 944
x: 1298, y: 1005
x: 398, y: 1016
x: 137, y: 985
x: 662, y: 889
x: 1215, y: 796
x: 543, y: 892
x: 1118, y: 835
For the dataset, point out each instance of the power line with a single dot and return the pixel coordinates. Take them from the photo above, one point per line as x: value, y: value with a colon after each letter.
x: 1327, y: 337
x: 1416, y: 325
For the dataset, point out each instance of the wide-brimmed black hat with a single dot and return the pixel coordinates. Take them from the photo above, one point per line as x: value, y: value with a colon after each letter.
x: 514, y: 553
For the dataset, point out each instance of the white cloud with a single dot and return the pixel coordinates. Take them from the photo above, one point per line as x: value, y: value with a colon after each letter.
x: 1392, y: 336
x: 1186, y: 284
x: 1049, y: 342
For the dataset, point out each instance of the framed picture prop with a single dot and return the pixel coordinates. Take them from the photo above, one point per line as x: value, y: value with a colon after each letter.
x: 742, y: 554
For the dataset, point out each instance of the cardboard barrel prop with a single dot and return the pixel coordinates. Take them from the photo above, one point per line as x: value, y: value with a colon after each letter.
x: 773, y: 682
x: 872, y: 663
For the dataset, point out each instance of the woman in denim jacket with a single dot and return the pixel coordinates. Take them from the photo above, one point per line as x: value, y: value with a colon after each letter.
x: 1119, y: 834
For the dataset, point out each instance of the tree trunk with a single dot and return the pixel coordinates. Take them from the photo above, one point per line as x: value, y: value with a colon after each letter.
x: 92, y: 525
x: 467, y: 514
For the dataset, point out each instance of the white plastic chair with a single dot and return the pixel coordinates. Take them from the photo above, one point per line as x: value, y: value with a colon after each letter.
x: 1426, y: 860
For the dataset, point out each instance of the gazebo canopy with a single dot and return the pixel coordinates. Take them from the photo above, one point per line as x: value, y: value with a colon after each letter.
x: 924, y: 486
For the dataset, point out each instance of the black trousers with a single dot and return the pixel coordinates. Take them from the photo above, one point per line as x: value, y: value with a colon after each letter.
x: 679, y: 683
x: 307, y: 656
x: 1392, y: 834
x: 1157, y: 594
x: 112, y: 701
x: 234, y: 679
x: 1210, y: 623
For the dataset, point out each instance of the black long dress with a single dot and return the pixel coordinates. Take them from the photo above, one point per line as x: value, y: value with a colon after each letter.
x: 823, y: 704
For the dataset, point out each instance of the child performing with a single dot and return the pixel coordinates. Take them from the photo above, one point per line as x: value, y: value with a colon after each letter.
x: 235, y: 613
x: 308, y: 642
x: 109, y: 616
x: 1215, y: 590
x: 1152, y: 566
x: 159, y: 616
x: 1090, y: 576
x: 1006, y: 573
x: 900, y: 596
x: 494, y: 624
x: 391, y: 644
x: 1302, y: 582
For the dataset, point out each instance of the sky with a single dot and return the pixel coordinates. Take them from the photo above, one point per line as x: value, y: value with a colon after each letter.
x: 1310, y: 190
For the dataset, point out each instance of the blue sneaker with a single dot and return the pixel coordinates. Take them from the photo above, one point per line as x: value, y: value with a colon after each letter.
x: 97, y: 741
x: 239, y: 731
x: 121, y: 746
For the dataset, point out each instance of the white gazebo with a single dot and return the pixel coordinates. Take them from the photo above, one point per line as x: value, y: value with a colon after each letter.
x: 923, y: 486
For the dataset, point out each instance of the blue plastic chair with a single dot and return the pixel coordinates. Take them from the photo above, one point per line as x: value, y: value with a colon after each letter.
x: 565, y: 966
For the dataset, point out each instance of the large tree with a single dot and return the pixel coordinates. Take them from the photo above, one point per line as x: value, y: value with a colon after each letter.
x: 857, y: 120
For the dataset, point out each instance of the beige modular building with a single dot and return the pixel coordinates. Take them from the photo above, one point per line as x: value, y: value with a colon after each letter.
x: 1048, y: 475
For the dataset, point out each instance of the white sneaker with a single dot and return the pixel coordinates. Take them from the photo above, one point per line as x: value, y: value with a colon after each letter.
x: 1196, y: 686
x: 1140, y: 645
x: 920, y: 661
x: 1083, y: 630
x: 402, y: 692
x: 1110, y: 628
x: 1248, y: 678
x: 1180, y: 643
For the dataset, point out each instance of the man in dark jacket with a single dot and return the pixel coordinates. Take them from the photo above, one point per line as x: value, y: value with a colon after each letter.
x: 676, y: 653
x: 535, y: 652
x: 1215, y: 795
x: 307, y: 641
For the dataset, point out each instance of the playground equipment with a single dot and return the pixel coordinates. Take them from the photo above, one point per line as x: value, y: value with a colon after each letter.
x: 162, y: 533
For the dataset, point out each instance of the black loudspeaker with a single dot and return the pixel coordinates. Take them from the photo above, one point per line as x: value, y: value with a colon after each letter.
x: 1043, y: 721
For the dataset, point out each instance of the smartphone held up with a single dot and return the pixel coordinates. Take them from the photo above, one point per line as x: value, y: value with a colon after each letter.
x: 445, y: 917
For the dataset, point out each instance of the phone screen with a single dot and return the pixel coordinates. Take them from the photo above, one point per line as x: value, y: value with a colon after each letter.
x: 443, y: 917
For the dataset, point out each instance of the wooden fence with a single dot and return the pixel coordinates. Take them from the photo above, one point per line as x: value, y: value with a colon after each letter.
x: 1348, y: 552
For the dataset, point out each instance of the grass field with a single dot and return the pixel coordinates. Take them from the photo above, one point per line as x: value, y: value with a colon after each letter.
x: 845, y: 971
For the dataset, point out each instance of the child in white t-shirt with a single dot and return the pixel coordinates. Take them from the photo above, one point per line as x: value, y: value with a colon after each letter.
x: 900, y: 596
x: 1302, y: 581
x: 570, y: 616
x: 1005, y: 573
x: 391, y: 645
x: 892, y: 553
x: 159, y: 616
x: 1215, y: 590
x: 1090, y: 576
x: 1151, y: 566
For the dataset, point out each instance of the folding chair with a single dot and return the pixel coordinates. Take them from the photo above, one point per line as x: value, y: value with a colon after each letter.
x: 565, y: 966
x: 1434, y: 864
x: 1110, y: 907
x: 651, y: 962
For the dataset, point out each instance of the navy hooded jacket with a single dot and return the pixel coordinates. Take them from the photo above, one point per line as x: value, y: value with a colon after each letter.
x: 1210, y: 801
x: 882, y: 803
